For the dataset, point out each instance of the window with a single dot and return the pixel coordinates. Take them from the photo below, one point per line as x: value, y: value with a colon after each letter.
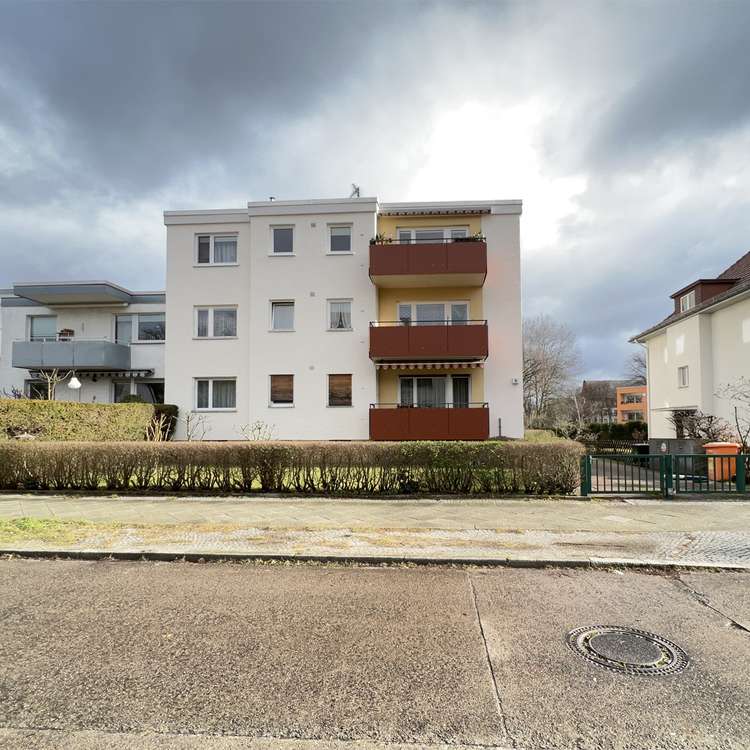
x: 634, y: 416
x: 149, y: 392
x: 124, y: 329
x: 341, y: 240
x: 438, y: 391
x: 433, y: 234
x: 42, y: 327
x: 687, y: 301
x: 219, y: 394
x: 434, y: 313
x: 631, y: 398
x: 339, y: 315
x: 36, y: 390
x: 151, y: 327
x: 282, y: 316
x: 283, y: 240
x: 282, y: 390
x: 339, y: 390
x: 216, y: 250
x: 683, y: 377
x: 216, y: 322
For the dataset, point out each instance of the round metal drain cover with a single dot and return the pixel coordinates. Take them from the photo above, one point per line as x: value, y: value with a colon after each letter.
x: 627, y: 650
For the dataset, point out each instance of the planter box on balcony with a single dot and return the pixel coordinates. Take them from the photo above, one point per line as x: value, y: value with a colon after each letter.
x: 417, y: 423
x: 397, y: 341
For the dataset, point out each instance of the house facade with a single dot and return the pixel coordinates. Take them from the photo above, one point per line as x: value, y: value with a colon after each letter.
x: 347, y: 319
x: 702, y: 346
x: 632, y: 403
x: 109, y: 338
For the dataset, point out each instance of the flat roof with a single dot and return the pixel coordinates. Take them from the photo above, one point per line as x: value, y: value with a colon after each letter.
x: 52, y: 293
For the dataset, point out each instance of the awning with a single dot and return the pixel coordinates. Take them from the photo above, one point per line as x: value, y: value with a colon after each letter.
x: 429, y: 365
x: 98, y: 373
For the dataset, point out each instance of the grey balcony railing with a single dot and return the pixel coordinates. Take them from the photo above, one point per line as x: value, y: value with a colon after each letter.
x: 89, y: 354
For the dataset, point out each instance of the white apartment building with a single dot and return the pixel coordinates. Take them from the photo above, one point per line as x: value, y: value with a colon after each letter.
x: 702, y: 346
x: 346, y: 319
x: 109, y: 338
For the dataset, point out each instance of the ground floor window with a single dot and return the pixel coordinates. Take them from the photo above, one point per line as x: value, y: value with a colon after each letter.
x: 339, y: 390
x: 36, y: 389
x: 435, y: 391
x: 282, y: 390
x: 215, y: 393
x: 147, y: 391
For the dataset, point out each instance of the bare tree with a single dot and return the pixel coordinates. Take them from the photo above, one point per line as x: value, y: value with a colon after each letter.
x: 738, y: 393
x: 53, y: 378
x: 258, y: 430
x: 699, y: 426
x: 196, y: 426
x: 635, y: 368
x: 550, y: 362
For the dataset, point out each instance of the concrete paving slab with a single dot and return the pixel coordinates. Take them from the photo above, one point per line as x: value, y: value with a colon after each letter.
x: 390, y: 655
x: 552, y: 698
x: 729, y: 595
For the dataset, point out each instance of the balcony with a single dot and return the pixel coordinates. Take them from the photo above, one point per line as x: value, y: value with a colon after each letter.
x: 443, y: 339
x: 456, y: 262
x: 72, y: 354
x: 449, y: 422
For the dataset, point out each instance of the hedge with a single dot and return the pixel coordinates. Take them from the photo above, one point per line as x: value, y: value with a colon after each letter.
x: 68, y: 420
x: 493, y: 467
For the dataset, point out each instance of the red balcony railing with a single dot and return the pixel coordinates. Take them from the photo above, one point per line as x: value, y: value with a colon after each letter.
x: 439, y: 339
x: 448, y: 422
x: 449, y: 257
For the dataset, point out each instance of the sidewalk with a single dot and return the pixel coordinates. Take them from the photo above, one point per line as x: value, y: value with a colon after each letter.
x: 600, y: 531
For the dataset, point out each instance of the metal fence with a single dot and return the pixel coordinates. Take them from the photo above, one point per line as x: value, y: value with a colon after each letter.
x: 664, y: 474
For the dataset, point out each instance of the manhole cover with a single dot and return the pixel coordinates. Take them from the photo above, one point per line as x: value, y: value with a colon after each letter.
x: 627, y: 650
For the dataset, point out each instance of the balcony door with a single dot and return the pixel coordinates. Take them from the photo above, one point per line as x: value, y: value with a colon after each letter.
x: 433, y: 313
x: 432, y: 234
x: 438, y: 391
x: 42, y: 327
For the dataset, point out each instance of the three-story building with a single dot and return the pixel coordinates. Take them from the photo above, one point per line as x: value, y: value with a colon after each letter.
x: 347, y: 319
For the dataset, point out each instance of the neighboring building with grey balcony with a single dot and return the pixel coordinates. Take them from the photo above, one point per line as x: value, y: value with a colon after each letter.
x: 110, y: 338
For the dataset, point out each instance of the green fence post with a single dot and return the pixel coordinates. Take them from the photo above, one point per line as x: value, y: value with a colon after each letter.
x: 585, y: 476
x: 667, y: 478
x: 740, y: 477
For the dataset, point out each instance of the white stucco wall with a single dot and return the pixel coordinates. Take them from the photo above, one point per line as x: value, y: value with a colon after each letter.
x: 502, y: 309
x: 715, y: 345
x: 310, y: 277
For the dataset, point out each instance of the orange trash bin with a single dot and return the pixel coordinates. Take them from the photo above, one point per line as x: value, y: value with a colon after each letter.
x: 722, y: 469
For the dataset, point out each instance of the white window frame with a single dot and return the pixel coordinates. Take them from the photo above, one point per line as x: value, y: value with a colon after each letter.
x: 134, y: 329
x: 350, y: 251
x: 687, y: 301
x: 350, y: 300
x: 273, y: 405
x: 273, y: 302
x: 272, y: 227
x: 446, y: 309
x: 211, y: 394
x: 447, y: 231
x: 211, y: 309
x: 212, y: 237
x: 448, y: 386
x: 683, y: 382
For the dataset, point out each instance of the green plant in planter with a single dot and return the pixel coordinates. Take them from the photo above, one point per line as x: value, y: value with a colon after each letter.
x: 380, y: 239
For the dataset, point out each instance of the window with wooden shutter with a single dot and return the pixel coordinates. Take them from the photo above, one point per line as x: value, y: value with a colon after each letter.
x: 339, y: 390
x: 282, y: 389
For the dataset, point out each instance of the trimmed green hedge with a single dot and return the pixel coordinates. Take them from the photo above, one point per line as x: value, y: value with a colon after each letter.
x: 491, y: 467
x: 67, y: 420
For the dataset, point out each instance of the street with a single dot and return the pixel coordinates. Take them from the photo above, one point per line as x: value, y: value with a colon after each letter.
x: 219, y: 655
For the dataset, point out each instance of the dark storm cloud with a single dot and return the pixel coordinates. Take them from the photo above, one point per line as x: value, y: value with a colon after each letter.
x: 139, y: 88
x: 112, y: 112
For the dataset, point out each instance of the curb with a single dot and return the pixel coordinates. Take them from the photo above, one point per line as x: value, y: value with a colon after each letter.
x: 204, y: 557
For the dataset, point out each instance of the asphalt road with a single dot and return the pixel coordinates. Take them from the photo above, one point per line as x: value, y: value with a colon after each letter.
x: 228, y: 656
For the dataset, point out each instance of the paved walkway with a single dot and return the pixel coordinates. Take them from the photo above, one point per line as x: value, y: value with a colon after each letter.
x: 655, y: 531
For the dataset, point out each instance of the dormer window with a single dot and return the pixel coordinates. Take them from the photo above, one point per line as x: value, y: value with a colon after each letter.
x: 687, y: 301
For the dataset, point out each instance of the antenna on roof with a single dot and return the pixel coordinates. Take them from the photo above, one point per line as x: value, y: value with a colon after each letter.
x: 355, y: 191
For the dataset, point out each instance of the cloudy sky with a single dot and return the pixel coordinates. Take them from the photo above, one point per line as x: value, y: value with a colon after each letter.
x: 624, y: 127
